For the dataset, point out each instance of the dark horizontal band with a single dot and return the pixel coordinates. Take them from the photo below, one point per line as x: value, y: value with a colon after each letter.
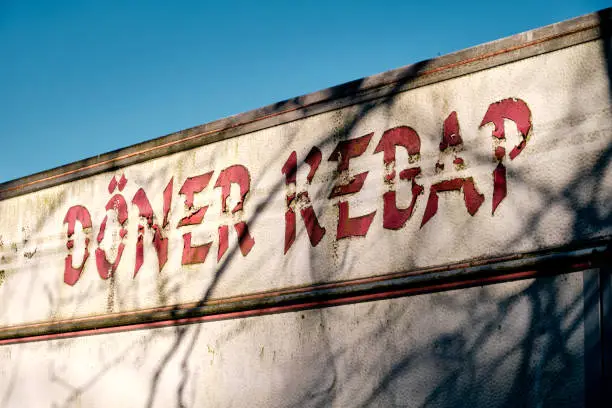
x: 586, y: 255
x: 515, y: 48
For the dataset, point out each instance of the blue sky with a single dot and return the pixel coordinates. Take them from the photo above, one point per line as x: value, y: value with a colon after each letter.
x: 80, y: 78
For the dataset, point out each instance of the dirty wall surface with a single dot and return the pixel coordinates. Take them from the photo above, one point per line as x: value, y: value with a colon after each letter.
x: 508, y: 160
x: 523, y: 340
x: 565, y: 134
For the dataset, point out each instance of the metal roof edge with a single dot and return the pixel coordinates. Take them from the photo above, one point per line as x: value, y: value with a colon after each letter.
x: 506, y: 50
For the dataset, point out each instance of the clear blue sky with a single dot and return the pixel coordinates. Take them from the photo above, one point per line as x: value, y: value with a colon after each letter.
x: 80, y: 78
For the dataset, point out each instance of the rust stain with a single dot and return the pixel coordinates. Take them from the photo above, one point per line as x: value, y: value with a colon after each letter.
x: 212, y: 352
x: 31, y: 254
x: 110, y: 297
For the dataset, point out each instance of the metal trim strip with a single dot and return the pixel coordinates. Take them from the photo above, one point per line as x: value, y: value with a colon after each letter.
x: 552, y: 262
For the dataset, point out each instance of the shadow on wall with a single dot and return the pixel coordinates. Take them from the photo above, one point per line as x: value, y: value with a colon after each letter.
x: 539, y: 346
x: 479, y: 347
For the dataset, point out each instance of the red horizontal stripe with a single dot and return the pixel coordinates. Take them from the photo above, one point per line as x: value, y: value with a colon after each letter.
x: 280, y: 309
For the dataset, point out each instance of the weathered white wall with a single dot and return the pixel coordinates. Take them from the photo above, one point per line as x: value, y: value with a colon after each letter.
x: 503, y: 345
x: 559, y: 172
x: 527, y: 341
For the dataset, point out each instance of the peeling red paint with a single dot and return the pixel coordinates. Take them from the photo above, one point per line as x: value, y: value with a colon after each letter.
x: 105, y: 268
x: 517, y: 149
x: 245, y: 240
x: 112, y: 185
x: 351, y: 187
x: 194, y: 185
x: 471, y: 197
x: 499, y: 185
x: 393, y: 217
x: 451, y: 138
x: 313, y: 159
x: 344, y: 151
x: 517, y: 111
x: 410, y: 173
x: 313, y: 228
x: 432, y: 206
x: 193, y: 254
x: 451, y: 142
x: 400, y: 136
x: 223, y: 241
x: 141, y: 201
x: 72, y: 274
x: 159, y: 242
x: 513, y: 109
x: 117, y: 203
x: 289, y: 169
x: 122, y: 182
x: 500, y: 152
x: 195, y: 218
x: 237, y: 174
x: 191, y: 187
x: 289, y: 228
x: 297, y: 199
x: 290, y: 199
x: 139, y: 254
x: 349, y: 149
x: 75, y: 214
x: 450, y: 133
x: 168, y: 201
x: 390, y: 176
x: 352, y: 227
